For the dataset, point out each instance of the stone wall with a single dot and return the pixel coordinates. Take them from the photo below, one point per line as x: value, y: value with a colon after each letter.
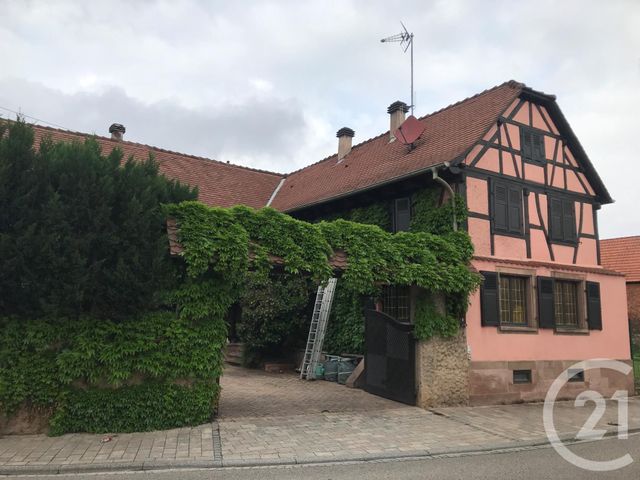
x: 442, y: 369
x: 491, y: 383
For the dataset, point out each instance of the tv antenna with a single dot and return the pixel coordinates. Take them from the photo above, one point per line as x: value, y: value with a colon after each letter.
x: 406, y: 42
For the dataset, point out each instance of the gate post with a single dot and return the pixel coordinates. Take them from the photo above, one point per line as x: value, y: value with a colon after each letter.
x: 442, y: 368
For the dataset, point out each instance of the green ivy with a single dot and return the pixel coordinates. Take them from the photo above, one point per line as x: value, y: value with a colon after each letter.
x: 428, y: 216
x: 41, y: 358
x: 144, y: 407
x: 429, y: 322
x: 274, y: 314
x: 345, y: 330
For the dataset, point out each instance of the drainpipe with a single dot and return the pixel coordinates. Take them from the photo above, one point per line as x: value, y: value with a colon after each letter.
x: 444, y: 183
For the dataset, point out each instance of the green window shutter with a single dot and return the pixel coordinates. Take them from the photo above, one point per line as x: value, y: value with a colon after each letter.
x: 594, y: 309
x: 526, y: 143
x: 538, y: 148
x: 568, y: 220
x: 546, y: 312
x: 515, y: 210
x: 500, y: 207
x: 402, y: 214
x: 556, y: 218
x: 490, y: 308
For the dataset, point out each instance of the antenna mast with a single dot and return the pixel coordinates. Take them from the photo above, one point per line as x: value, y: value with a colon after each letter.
x: 406, y: 42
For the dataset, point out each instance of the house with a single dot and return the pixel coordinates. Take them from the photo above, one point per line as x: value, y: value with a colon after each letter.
x: 623, y: 255
x: 533, y: 197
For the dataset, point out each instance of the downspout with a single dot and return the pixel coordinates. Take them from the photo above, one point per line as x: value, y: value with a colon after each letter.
x: 444, y: 183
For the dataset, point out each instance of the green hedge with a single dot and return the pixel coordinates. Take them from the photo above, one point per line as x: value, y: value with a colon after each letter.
x: 83, y: 370
x: 149, y: 406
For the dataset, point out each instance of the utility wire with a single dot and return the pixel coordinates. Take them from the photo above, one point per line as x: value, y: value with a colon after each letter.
x: 34, y: 118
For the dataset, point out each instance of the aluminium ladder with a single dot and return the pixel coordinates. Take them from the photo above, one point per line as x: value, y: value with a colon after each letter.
x: 317, y: 329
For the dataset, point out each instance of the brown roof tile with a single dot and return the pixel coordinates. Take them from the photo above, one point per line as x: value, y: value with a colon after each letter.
x: 623, y: 255
x: 448, y: 133
x: 219, y: 184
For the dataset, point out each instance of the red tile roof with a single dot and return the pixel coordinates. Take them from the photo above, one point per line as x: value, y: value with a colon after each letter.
x: 219, y: 184
x: 449, y: 133
x: 623, y: 255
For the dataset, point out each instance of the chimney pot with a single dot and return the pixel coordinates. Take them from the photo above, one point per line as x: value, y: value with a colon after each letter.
x: 117, y: 131
x: 345, y: 135
x: 396, y: 111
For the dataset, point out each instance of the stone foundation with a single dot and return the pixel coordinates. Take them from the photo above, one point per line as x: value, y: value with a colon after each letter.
x: 442, y: 372
x: 491, y: 383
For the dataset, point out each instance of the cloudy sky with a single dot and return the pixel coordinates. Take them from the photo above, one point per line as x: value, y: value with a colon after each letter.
x: 267, y: 84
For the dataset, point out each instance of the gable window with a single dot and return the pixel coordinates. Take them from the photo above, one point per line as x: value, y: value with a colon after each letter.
x: 562, y: 220
x: 532, y: 145
x: 401, y: 214
x: 507, y: 208
x: 395, y: 300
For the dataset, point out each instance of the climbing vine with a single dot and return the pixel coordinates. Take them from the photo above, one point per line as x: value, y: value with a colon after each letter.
x: 436, y: 263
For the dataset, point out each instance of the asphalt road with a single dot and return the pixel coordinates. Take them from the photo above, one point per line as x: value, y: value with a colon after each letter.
x: 540, y: 463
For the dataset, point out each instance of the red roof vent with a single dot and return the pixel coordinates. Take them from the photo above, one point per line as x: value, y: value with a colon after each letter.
x: 409, y: 131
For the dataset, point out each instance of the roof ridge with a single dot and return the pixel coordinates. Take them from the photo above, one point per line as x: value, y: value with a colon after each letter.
x: 511, y: 83
x: 161, y: 150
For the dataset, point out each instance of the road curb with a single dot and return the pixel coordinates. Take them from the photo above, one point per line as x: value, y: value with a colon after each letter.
x: 305, y: 460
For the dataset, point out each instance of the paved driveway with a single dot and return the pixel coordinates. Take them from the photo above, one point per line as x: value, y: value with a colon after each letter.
x: 254, y: 393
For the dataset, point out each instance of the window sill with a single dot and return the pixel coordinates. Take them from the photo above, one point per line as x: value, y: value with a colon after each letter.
x: 517, y: 329
x: 571, y: 331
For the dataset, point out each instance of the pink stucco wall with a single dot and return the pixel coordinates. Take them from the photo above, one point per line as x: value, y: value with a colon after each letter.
x: 493, y: 344
x: 490, y: 344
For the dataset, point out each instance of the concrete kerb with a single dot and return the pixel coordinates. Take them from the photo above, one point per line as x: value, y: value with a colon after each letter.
x: 307, y: 460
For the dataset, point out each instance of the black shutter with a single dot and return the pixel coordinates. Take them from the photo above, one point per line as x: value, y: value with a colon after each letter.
x: 527, y: 143
x: 489, y: 305
x: 538, y: 147
x: 568, y: 220
x: 594, y: 311
x: 515, y: 210
x: 402, y: 215
x: 500, y: 213
x: 555, y: 218
x: 546, y: 314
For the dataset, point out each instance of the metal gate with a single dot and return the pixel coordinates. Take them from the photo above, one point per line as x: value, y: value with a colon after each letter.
x: 389, y: 357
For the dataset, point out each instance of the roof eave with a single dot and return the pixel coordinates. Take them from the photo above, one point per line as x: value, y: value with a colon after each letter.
x: 367, y: 188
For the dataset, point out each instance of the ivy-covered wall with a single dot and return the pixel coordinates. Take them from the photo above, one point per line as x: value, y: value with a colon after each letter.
x: 346, y: 328
x: 437, y: 263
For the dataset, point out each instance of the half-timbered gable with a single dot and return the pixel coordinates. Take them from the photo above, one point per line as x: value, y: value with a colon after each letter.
x: 531, y: 190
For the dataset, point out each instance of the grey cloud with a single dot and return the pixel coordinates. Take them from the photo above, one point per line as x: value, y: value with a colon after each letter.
x: 186, y: 66
x: 265, y: 128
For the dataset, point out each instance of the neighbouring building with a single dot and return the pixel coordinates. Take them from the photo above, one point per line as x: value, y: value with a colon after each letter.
x: 623, y: 255
x: 533, y: 197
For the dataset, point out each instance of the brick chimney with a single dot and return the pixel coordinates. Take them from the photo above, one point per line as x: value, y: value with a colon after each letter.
x: 345, y: 134
x: 117, y: 131
x: 396, y: 113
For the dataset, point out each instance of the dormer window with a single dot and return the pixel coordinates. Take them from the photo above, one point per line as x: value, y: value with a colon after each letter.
x: 532, y: 145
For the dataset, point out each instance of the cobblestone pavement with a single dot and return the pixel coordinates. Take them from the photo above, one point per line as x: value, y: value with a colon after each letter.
x: 270, y: 419
x: 254, y: 393
x: 182, y: 444
x: 314, y: 437
x: 524, y: 422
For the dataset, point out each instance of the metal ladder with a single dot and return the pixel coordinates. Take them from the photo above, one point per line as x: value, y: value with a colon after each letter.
x: 317, y: 329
